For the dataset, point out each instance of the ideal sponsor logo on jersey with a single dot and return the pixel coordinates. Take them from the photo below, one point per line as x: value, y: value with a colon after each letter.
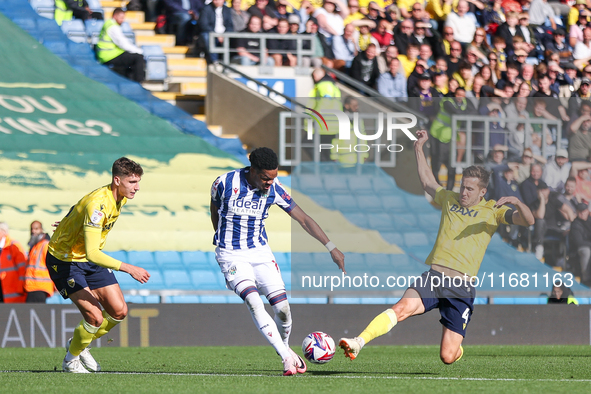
x: 247, y: 207
x: 464, y: 211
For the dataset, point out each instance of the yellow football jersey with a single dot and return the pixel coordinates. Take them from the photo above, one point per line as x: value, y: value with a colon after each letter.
x: 97, y: 209
x: 464, y: 233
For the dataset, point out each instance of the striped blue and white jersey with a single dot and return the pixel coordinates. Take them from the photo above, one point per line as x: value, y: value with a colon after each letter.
x: 243, y: 210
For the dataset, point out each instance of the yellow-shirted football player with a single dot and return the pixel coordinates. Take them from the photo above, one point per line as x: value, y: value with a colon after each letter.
x: 83, y: 273
x: 468, y: 222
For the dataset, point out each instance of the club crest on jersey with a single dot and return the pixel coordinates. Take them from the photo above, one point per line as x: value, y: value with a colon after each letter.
x: 464, y: 211
x: 96, y: 218
x: 232, y: 270
x: 71, y: 282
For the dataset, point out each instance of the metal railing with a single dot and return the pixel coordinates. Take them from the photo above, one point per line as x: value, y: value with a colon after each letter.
x: 300, y: 141
x: 485, y: 129
x: 225, y: 49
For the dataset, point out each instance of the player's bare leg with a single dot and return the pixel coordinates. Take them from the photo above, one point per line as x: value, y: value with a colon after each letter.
x: 451, y: 346
x: 409, y: 305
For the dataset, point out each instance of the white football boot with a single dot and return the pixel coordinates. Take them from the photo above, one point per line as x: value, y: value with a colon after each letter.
x: 351, y: 346
x: 290, y: 366
x: 74, y: 366
x: 86, y: 358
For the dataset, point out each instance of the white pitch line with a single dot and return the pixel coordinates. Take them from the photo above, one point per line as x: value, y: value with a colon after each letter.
x: 310, y: 376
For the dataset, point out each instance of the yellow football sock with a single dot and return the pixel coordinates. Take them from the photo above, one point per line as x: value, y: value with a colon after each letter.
x: 108, y: 323
x: 379, y: 326
x: 461, y: 353
x: 83, y: 335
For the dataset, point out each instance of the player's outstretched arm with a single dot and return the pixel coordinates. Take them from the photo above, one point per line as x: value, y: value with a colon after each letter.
x: 430, y: 184
x: 523, y: 215
x: 315, y: 231
x: 92, y: 238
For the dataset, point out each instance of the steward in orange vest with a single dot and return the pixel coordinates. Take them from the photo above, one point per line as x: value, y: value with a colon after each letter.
x: 12, y: 268
x: 38, y: 284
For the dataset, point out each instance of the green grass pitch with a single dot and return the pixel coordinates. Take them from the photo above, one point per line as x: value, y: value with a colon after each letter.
x: 407, y: 369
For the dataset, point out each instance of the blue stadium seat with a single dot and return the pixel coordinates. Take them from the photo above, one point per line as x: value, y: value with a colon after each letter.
x: 360, y: 185
x: 404, y: 222
x: 355, y: 262
x: 384, y: 185
x: 380, y: 222
x: 45, y: 8
x: 27, y: 24
x: 152, y: 299
x: 197, y: 260
x: 394, y: 202
x: 177, y: 279
x: 156, y: 65
x: 135, y: 299
x: 185, y: 299
x: 345, y: 202
x: 378, y: 261
x: 58, y: 47
x: 323, y: 200
x: 128, y: 31
x: 134, y: 91
x: 96, y: 6
x: 429, y: 221
x: 416, y: 239
x: 219, y: 299
x: 358, y: 219
x: 374, y: 300
x: 206, y: 280
x: 283, y: 260
x: 48, y: 25
x: 80, y: 49
x: 308, y: 184
x: 370, y: 203
x: 335, y: 184
x: 394, y: 238
x: 156, y: 281
x: 142, y: 259
x: 74, y: 30
x: 346, y: 301
x: 93, y: 30
x: 100, y: 73
x: 169, y: 260
x: 113, y: 86
x: 120, y: 255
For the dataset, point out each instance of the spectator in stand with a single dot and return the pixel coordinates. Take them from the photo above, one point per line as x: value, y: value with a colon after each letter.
x: 319, y: 57
x: 499, y: 46
x: 426, y: 54
x: 425, y: 98
x: 542, y: 14
x: 530, y: 190
x: 180, y: 14
x: 402, y: 35
x: 508, y: 30
x: 438, y: 10
x: 493, y: 16
x: 38, y: 284
x: 281, y: 9
x: 582, y: 51
x: 393, y: 83
x: 12, y: 267
x: 455, y: 59
x: 344, y: 49
x: 365, y: 67
x: 529, y: 36
x: 239, y: 17
x: 294, y: 24
x: 575, y: 11
x: 363, y: 37
x: 283, y: 51
x: 582, y: 181
x: 375, y: 13
x: 418, y: 14
x: 575, y: 32
x: 409, y: 61
x: 441, y: 83
x: 580, y: 242
x: 215, y: 18
x: 480, y: 46
x: 354, y: 13
x: 79, y: 9
x: 382, y: 35
x: 464, y: 76
x: 579, y: 142
x: 262, y: 8
x: 415, y: 76
x: 249, y: 51
x: 442, y: 47
x: 561, y: 294
x: 527, y: 74
x: 386, y: 57
x: 557, y: 171
x: 560, y: 46
x: 504, y: 186
x: 520, y: 133
x: 493, y: 63
x: 330, y: 18
x: 113, y: 48
x: 462, y: 24
x: 523, y: 168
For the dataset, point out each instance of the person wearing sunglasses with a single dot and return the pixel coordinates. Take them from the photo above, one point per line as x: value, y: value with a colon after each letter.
x: 463, y: 25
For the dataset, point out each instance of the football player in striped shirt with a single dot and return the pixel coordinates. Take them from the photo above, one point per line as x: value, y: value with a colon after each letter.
x: 468, y: 222
x: 240, y: 202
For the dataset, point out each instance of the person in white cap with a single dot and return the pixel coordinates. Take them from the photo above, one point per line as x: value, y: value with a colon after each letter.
x: 557, y: 170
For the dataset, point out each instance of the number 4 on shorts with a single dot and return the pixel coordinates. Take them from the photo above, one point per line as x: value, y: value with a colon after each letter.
x: 465, y: 316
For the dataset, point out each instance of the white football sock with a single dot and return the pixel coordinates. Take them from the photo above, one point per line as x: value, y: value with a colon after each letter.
x: 282, y: 317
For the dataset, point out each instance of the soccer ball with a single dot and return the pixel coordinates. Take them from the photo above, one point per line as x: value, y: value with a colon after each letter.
x: 318, y: 347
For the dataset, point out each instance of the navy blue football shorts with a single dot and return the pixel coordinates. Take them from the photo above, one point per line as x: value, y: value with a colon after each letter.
x: 454, y: 298
x: 70, y: 277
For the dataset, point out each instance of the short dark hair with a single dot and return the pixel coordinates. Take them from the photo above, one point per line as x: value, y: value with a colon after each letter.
x: 571, y: 179
x: 118, y: 10
x: 263, y: 159
x: 477, y: 172
x: 124, y: 166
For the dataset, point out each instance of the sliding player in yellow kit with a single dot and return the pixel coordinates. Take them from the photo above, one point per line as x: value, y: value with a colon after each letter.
x: 82, y: 272
x: 468, y: 222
